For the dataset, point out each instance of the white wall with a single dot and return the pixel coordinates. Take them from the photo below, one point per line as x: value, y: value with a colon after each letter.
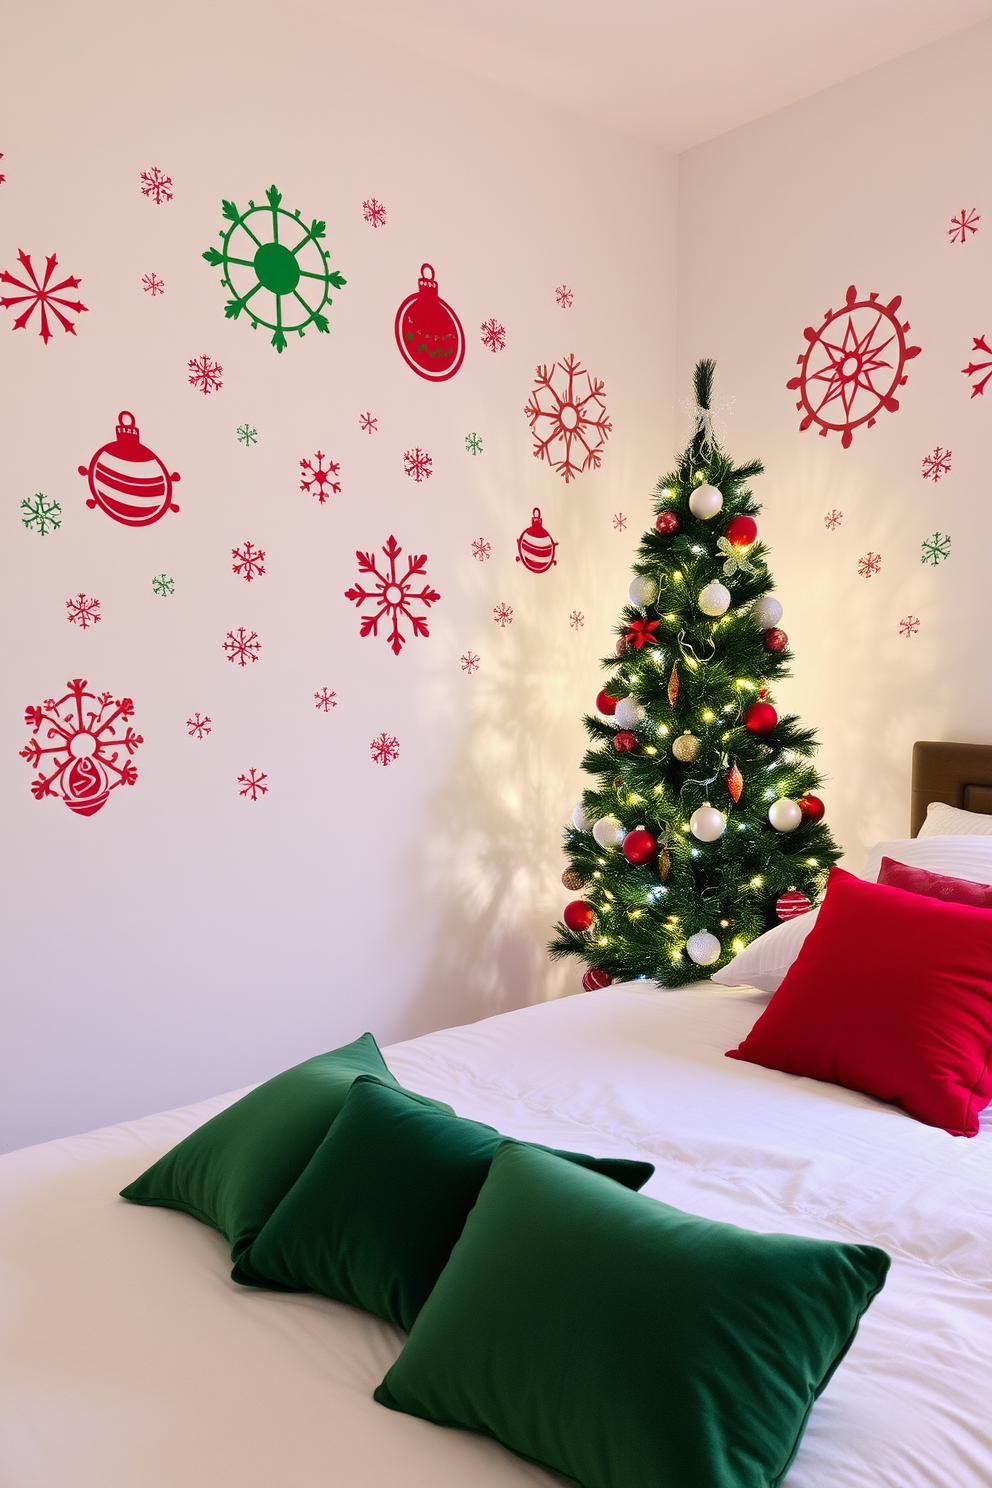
x: 182, y: 940
x: 858, y: 185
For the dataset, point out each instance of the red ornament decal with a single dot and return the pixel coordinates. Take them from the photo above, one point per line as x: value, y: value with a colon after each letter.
x: 43, y: 297
x: 393, y: 594
x: 980, y: 344
x: 90, y: 756
x: 624, y: 742
x: 128, y: 481
x: 852, y: 366
x: 741, y: 532
x: 760, y: 718
x: 595, y: 978
x: 812, y: 808
x: 789, y: 906
x: 384, y: 749
x: 667, y: 523
x: 315, y: 477
x: 578, y: 915
x: 252, y: 784
x: 536, y: 547
x: 83, y: 611
x: 567, y: 415
x: 774, y: 640
x: 428, y: 332
x: 249, y: 561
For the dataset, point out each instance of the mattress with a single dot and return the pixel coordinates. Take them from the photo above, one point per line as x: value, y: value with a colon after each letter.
x: 129, y: 1359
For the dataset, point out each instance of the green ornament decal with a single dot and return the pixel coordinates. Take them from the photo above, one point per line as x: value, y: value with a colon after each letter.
x: 266, y: 261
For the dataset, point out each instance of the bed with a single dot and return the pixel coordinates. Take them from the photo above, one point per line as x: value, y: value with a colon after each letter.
x: 129, y: 1359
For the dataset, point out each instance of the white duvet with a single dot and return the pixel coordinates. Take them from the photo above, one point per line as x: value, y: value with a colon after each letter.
x: 128, y: 1359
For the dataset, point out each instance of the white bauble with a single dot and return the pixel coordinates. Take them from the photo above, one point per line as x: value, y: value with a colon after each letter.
x: 785, y: 815
x: 629, y: 713
x: 703, y: 948
x: 707, y: 823
x: 714, y: 599
x: 580, y: 821
x: 766, y: 612
x: 608, y: 832
x: 705, y: 502
x: 643, y: 591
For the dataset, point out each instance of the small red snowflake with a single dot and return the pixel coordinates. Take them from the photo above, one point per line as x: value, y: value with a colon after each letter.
x: 980, y: 344
x: 374, y: 212
x: 205, y: 374
x: 564, y: 296
x: 869, y: 565
x: 567, y: 415
x: 833, y: 520
x: 242, y: 645
x: 198, y: 726
x: 417, y: 464
x: 393, y: 594
x: 966, y: 222
x: 317, y: 480
x: 384, y: 749
x: 937, y: 464
x: 503, y: 615
x: 619, y: 521
x: 576, y: 619
x: 91, y: 752
x: 493, y: 335
x: 249, y: 561
x: 153, y: 285
x: 470, y: 662
x: 482, y: 549
x: 82, y: 611
x: 157, y: 185
x: 324, y: 701
x: 368, y: 424
x: 251, y: 784
x: 909, y: 626
x: 43, y: 297
x: 2, y: 177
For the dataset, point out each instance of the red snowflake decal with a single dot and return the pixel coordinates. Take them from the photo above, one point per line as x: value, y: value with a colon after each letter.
x: 252, y: 784
x: 966, y: 222
x: 869, y: 565
x: 249, y: 561
x: 567, y: 416
x: 384, y: 749
x: 316, y: 479
x: 242, y: 645
x: 324, y: 701
x: 470, y: 662
x: 91, y: 756
x: 503, y: 615
x: 493, y: 335
x: 374, y: 212
x: 368, y: 424
x: 205, y: 374
x: 909, y: 626
x: 2, y: 177
x: 393, y: 594
x: 619, y: 521
x: 980, y: 344
x: 576, y: 619
x: 153, y: 285
x: 937, y: 464
x: 564, y: 296
x: 417, y: 464
x: 198, y: 726
x: 852, y: 366
x: 482, y: 549
x: 44, y: 297
x: 82, y: 611
x: 833, y: 520
x: 157, y: 185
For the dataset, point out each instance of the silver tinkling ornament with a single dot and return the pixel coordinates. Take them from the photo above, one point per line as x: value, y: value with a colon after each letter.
x: 643, y: 591
x: 703, y: 948
x: 707, y: 823
x: 766, y: 612
x: 628, y: 713
x: 785, y: 815
x: 580, y: 821
x: 714, y: 599
x: 705, y: 502
x: 609, y: 832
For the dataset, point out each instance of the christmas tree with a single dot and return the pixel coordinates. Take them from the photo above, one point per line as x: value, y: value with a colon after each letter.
x: 701, y: 829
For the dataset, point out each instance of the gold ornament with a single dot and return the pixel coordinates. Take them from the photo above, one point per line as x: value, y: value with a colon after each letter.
x: 686, y: 747
x: 664, y: 863
x: 573, y: 879
x: 673, y: 685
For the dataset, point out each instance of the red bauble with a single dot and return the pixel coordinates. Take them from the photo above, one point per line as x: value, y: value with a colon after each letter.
x: 605, y: 704
x: 428, y: 332
x: 624, y: 741
x: 811, y: 807
x: 535, y: 546
x: 640, y: 847
x: 741, y: 531
x: 760, y: 718
x: 667, y: 523
x: 595, y: 978
x: 128, y: 481
x: 578, y: 915
x: 774, y: 640
x: 788, y: 906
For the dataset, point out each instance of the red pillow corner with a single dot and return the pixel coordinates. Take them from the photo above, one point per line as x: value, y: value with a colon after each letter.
x: 934, y: 885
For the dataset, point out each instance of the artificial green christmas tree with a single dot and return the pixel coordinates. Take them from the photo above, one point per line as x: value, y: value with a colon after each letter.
x: 701, y: 829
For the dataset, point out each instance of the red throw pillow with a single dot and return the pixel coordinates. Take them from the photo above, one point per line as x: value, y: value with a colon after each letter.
x: 891, y: 995
x: 934, y: 885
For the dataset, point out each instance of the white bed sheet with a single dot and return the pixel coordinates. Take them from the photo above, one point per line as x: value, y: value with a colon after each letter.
x: 128, y: 1359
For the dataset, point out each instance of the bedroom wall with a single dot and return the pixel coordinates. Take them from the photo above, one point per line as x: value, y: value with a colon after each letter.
x: 859, y: 185
x: 186, y: 939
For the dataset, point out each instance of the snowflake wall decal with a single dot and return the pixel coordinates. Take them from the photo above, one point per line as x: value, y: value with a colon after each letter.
x: 384, y: 749
x: 242, y: 645
x: 262, y: 270
x: 909, y: 625
x: 493, y: 335
x: 833, y: 520
x: 564, y: 296
x: 156, y: 185
x: 980, y: 344
x: 40, y: 514
x: 42, y: 297
x: 503, y: 615
x: 470, y: 662
x: 83, y: 611
x: 324, y: 701
x: 576, y: 619
x: 252, y: 784
x: 368, y: 424
x: 869, y: 565
x: 567, y: 415
x: 374, y: 212
x: 2, y: 177
x: 249, y: 561
x: 153, y: 284
x: 247, y: 435
x: 619, y: 521
x: 937, y: 464
x: 852, y: 366
x: 198, y: 726
x: 393, y: 593
x: 86, y: 761
x: 418, y: 464
x: 205, y: 374
x: 473, y: 444
x: 934, y: 550
x: 317, y: 478
x: 482, y: 549
x: 163, y: 586
x: 966, y: 222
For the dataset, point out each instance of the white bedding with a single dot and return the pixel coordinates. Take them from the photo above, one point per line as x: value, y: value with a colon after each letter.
x: 128, y: 1359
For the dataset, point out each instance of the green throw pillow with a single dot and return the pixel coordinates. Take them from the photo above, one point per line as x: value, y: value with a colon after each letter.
x: 232, y: 1171
x: 373, y: 1218
x: 620, y: 1342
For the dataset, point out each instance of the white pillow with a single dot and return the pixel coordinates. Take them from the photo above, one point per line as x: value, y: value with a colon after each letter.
x: 765, y: 961
x: 957, y: 856
x: 947, y: 821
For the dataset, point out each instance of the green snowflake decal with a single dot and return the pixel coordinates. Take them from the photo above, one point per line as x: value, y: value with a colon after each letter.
x: 473, y: 444
x: 257, y: 261
x: 935, y: 549
x: 247, y: 435
x: 163, y: 585
x: 40, y: 514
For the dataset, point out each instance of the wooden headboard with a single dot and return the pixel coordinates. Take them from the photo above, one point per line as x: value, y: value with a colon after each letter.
x: 957, y: 774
